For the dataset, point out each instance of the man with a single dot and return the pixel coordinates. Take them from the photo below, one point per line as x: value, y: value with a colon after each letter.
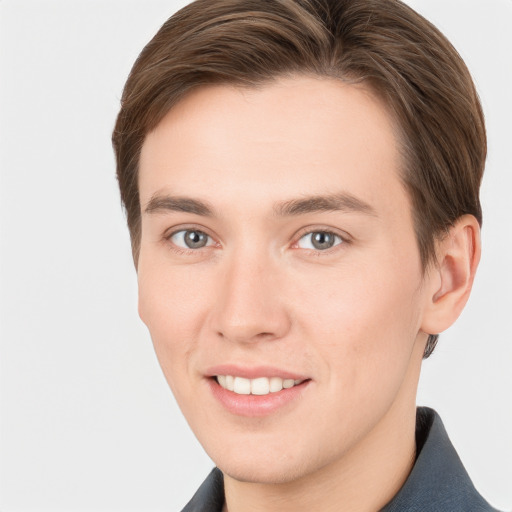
x: 301, y: 183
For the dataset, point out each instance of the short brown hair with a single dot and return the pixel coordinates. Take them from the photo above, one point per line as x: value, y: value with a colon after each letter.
x: 402, y: 57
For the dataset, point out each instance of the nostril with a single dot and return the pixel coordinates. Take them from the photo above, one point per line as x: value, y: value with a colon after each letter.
x: 240, y: 335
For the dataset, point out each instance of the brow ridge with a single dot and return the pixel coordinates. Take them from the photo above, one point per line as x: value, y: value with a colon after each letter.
x: 162, y: 203
x: 343, y: 202
x: 324, y: 203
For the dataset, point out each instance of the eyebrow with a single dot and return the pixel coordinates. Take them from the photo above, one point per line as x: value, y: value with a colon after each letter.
x: 158, y: 204
x: 343, y: 202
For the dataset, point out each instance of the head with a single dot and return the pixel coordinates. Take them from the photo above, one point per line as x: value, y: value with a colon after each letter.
x: 405, y: 92
x: 387, y: 46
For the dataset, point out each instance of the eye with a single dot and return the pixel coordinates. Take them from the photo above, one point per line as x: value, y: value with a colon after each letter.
x: 319, y: 240
x: 190, y: 239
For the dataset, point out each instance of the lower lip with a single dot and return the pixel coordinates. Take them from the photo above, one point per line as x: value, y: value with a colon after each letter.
x: 256, y: 405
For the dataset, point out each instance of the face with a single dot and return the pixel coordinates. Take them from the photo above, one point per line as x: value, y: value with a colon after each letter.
x: 279, y: 274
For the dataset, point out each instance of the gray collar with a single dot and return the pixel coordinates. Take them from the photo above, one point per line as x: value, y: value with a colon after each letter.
x: 438, y: 481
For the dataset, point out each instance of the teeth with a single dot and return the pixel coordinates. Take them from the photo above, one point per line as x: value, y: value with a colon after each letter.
x: 242, y: 386
x: 276, y: 384
x: 288, y: 383
x: 259, y: 386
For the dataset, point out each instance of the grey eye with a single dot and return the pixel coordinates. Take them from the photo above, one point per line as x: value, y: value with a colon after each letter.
x: 191, y: 239
x: 319, y: 240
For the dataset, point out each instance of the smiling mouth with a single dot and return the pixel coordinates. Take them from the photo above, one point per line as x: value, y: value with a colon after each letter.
x: 258, y: 386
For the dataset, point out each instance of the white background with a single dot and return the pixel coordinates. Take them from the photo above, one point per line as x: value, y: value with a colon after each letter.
x: 87, y: 422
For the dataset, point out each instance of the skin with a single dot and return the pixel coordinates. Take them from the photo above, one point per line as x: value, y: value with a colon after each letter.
x: 352, y: 318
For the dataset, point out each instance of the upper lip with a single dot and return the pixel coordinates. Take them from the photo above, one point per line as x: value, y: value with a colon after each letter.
x: 253, y: 372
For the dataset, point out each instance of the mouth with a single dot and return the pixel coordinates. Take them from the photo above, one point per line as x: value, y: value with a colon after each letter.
x: 260, y: 386
x: 256, y: 392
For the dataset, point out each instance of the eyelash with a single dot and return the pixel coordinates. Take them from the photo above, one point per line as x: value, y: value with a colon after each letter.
x: 344, y: 240
x: 181, y: 250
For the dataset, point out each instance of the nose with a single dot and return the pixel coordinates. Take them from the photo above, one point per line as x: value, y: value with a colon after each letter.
x: 251, y: 305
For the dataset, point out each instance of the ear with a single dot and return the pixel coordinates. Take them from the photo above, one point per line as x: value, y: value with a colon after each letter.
x: 449, y: 281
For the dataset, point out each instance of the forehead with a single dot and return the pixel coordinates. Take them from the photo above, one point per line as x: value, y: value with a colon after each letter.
x: 294, y: 137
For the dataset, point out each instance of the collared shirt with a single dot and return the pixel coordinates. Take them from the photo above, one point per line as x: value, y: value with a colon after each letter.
x: 438, y: 481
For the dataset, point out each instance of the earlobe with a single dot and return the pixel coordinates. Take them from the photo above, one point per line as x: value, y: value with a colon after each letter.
x: 450, y: 281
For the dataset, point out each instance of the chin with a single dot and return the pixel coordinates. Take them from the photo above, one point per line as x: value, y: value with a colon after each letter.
x: 276, y: 465
x: 269, y: 473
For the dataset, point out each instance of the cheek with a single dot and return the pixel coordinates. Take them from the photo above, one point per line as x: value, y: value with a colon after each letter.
x: 170, y: 304
x: 366, y: 316
x: 169, y: 296
x: 363, y: 331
